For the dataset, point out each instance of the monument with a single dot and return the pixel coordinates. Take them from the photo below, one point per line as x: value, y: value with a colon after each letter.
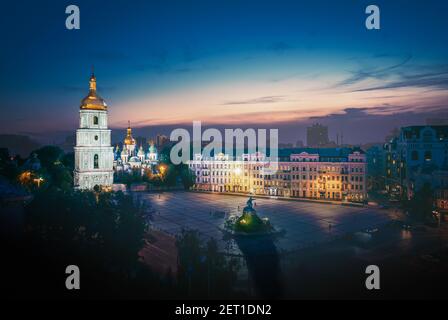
x: 249, y: 223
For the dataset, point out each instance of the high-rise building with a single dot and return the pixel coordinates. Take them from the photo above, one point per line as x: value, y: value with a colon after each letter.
x: 317, y: 136
x: 93, y: 151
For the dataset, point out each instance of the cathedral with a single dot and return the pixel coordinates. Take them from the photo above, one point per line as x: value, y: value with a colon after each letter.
x: 94, y: 156
x: 132, y: 158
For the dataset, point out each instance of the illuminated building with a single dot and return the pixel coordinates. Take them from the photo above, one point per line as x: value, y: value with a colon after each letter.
x: 441, y: 189
x: 93, y: 151
x: 415, y: 152
x: 130, y: 157
x: 128, y: 143
x: 325, y: 173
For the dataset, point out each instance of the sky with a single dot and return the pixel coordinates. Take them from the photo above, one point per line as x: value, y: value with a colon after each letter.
x: 259, y: 64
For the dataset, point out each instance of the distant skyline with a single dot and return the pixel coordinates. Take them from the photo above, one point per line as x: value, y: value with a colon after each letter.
x: 271, y: 64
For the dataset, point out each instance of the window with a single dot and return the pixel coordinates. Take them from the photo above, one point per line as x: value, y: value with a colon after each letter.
x: 95, y: 161
x: 427, y: 136
x: 414, y: 155
x: 95, y: 120
x: 428, y: 156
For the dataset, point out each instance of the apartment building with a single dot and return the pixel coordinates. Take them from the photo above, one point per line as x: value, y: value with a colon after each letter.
x: 314, y: 173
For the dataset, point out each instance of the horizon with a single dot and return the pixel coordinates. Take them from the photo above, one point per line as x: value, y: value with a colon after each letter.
x: 222, y: 64
x: 269, y: 150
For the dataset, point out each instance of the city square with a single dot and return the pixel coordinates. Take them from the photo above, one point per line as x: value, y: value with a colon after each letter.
x: 301, y: 223
x: 224, y: 151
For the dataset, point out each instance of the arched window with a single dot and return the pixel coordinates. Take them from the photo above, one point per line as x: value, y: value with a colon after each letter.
x: 95, y: 161
x: 95, y: 120
x: 414, y: 155
x: 428, y: 155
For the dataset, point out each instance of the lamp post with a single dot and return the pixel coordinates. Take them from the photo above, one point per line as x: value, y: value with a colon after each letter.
x: 38, y: 181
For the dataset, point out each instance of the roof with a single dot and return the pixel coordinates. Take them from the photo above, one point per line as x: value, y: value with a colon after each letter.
x: 409, y: 132
x: 134, y: 159
x: 93, y: 101
x: 323, y: 152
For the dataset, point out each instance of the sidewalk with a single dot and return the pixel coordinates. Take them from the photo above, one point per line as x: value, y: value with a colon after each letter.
x: 333, y: 202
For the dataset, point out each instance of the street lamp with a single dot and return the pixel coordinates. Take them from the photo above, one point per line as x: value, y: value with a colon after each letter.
x: 38, y: 181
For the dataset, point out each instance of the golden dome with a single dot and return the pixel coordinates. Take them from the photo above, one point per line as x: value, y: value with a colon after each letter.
x: 93, y: 101
x: 129, y: 140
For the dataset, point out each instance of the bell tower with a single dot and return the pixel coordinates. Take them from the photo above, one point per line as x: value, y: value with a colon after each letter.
x: 94, y: 154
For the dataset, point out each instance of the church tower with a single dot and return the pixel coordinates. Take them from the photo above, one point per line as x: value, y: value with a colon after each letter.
x: 129, y: 141
x: 94, y: 154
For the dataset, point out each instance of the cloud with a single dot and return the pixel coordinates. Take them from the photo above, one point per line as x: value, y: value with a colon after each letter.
x: 373, y: 73
x: 259, y: 100
x: 385, y: 110
x: 399, y: 75
x: 362, y: 125
x: 436, y: 80
x: 286, y: 77
x: 358, y: 125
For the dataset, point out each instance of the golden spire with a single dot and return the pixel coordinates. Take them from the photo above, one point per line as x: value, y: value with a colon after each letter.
x: 129, y: 139
x: 92, y: 82
x: 129, y: 130
x: 93, y: 101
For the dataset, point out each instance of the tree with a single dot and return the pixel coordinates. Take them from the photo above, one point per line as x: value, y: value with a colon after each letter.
x: 102, y: 234
x: 203, y: 271
x: 421, y: 204
x: 187, y: 176
x: 8, y: 167
x: 49, y: 155
x: 68, y: 160
x: 53, y: 171
x: 169, y: 177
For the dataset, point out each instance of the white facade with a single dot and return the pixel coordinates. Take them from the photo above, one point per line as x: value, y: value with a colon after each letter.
x: 94, y: 155
x: 130, y: 158
x: 337, y: 175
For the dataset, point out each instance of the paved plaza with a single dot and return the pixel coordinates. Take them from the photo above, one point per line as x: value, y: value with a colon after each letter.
x: 304, y: 223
